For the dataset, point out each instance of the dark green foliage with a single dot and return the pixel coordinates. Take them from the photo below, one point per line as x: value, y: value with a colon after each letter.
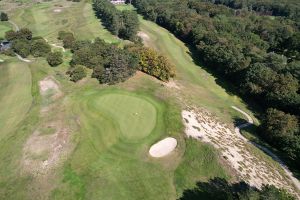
x: 119, y: 68
x: 282, y: 130
x: 23, y: 33
x: 152, y: 63
x: 77, y: 73
x: 67, y: 38
x: 220, y: 189
x: 3, y: 16
x: 110, y: 64
x: 55, y: 58
x: 122, y: 23
x: 40, y: 48
x: 21, y: 47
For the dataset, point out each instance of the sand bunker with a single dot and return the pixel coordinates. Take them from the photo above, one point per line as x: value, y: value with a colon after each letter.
x: 163, y: 147
x: 234, y: 148
x: 57, y: 10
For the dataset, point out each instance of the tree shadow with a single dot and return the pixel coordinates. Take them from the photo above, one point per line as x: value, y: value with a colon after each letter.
x: 216, y: 189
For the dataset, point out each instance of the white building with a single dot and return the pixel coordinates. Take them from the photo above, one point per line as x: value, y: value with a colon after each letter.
x: 117, y: 1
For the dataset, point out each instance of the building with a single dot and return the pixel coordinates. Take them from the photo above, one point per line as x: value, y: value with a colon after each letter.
x: 5, y: 45
x: 118, y: 1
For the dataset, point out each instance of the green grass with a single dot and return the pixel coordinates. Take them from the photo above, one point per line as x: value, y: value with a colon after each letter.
x: 110, y: 165
x: 4, y: 26
x: 200, y: 163
x: 136, y: 117
x: 75, y: 17
x: 15, y: 95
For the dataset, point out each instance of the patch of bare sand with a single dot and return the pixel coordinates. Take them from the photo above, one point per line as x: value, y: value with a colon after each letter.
x: 143, y: 35
x: 49, y: 86
x: 48, y: 146
x: 57, y: 10
x: 163, y: 147
x: 255, y: 171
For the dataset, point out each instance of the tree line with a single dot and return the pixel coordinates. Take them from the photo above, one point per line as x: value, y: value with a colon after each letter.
x: 258, y: 53
x: 124, y: 23
x: 112, y: 64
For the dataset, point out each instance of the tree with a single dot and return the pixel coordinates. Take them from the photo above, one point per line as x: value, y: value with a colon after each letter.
x: 3, y: 16
x: 130, y: 24
x: 11, y: 35
x: 55, y: 58
x: 40, y: 48
x: 21, y: 47
x: 24, y: 33
x: 77, y: 73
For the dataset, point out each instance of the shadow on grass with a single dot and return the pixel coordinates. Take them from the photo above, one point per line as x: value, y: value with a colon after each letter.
x: 220, y: 189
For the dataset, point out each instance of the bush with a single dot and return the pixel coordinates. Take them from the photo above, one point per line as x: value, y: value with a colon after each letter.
x: 3, y: 16
x: 55, y: 58
x: 77, y: 73
x: 40, y: 48
x: 21, y: 47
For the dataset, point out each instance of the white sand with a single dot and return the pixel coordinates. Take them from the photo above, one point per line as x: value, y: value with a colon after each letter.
x: 1, y: 60
x: 163, y: 147
x: 234, y: 148
x: 57, y: 10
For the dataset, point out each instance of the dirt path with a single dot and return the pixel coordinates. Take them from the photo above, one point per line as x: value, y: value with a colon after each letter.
x: 264, y: 149
x: 23, y: 59
x: 14, y: 25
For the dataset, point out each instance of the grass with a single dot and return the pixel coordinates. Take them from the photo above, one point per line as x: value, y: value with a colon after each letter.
x: 200, y: 163
x: 15, y: 95
x: 105, y: 159
x: 110, y: 159
x: 4, y: 26
x: 75, y: 17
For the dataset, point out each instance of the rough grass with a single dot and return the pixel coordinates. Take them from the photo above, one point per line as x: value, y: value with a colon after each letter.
x: 200, y: 163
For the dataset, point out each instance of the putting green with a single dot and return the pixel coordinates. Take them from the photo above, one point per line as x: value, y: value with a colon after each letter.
x: 135, y: 116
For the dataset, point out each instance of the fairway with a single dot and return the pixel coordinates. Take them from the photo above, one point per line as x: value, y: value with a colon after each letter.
x: 76, y: 17
x: 135, y: 116
x: 15, y: 95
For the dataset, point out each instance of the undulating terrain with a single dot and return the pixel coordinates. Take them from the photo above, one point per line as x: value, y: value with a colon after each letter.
x: 85, y: 140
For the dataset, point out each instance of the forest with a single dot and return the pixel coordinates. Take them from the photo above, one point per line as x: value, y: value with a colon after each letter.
x: 121, y: 23
x: 254, y: 46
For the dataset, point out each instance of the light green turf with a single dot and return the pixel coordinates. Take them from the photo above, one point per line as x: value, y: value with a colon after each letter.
x: 76, y: 17
x: 15, y: 95
x: 105, y: 160
x: 4, y: 26
x: 136, y: 117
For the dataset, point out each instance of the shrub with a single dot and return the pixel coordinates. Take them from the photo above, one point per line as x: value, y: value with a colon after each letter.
x: 55, y: 58
x: 77, y: 73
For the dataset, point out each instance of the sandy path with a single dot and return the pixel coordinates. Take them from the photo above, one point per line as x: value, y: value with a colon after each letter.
x: 23, y: 59
x: 14, y: 25
x: 235, y: 149
x: 264, y: 149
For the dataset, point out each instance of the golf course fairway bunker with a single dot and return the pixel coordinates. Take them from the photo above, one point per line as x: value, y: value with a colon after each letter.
x: 163, y: 147
x: 136, y: 117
